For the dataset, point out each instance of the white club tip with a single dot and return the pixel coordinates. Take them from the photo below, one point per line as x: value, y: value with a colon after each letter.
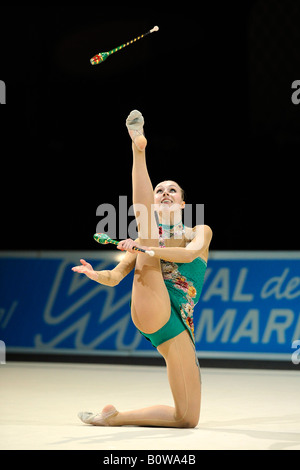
x: 156, y: 28
x: 150, y: 253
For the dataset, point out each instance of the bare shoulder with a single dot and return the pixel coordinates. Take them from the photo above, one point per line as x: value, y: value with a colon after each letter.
x: 197, y: 231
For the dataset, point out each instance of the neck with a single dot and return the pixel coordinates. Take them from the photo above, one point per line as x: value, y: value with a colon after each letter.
x: 170, y: 218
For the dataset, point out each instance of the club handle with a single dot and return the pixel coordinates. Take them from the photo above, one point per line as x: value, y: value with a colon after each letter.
x: 148, y: 252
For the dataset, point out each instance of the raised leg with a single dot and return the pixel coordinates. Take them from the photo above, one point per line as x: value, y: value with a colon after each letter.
x: 150, y: 311
x: 150, y: 299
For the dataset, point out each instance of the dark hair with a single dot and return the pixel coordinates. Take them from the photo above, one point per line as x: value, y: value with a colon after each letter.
x: 183, y: 193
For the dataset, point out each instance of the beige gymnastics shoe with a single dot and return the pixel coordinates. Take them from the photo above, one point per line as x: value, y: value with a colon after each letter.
x: 100, y: 419
x: 135, y: 125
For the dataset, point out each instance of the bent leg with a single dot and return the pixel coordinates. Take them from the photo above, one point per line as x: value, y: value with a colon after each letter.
x: 184, y: 378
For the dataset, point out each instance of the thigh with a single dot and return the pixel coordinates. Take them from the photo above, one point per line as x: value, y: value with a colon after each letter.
x: 151, y: 307
x: 184, y: 378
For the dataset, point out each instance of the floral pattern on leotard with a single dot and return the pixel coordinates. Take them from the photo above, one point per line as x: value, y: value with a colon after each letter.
x: 171, y: 273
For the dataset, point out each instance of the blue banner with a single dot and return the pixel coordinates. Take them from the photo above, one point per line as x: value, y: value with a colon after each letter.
x: 249, y: 307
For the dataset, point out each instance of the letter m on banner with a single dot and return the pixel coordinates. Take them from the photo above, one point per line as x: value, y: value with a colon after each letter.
x: 2, y: 92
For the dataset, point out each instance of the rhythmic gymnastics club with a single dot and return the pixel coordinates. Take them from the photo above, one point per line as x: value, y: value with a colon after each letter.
x: 102, y: 56
x: 105, y: 240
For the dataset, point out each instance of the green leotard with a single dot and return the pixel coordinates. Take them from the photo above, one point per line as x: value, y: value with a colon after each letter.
x: 184, y: 282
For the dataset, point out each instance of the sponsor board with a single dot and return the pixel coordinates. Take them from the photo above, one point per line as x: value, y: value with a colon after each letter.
x: 249, y: 307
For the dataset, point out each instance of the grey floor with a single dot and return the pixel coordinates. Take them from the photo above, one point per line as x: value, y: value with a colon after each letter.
x: 241, y: 409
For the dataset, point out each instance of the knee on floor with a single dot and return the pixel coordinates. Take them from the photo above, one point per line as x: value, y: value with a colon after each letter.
x: 189, y: 421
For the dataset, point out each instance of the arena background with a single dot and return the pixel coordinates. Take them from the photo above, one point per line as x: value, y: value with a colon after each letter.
x: 215, y: 88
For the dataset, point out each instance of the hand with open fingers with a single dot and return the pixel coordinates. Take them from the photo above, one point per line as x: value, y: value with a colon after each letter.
x: 86, y: 269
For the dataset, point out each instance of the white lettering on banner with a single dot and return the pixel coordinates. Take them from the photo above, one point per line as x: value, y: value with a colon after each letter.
x: 107, y: 308
x: 249, y: 328
x: 278, y: 327
x: 5, y: 315
x: 297, y: 330
x: 68, y: 310
x: 206, y: 322
x: 75, y: 284
x: 275, y: 286
x: 238, y: 295
x: 220, y: 286
x: 80, y: 327
x: 225, y: 329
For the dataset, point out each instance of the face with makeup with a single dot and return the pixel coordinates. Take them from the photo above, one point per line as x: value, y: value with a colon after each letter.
x: 168, y: 198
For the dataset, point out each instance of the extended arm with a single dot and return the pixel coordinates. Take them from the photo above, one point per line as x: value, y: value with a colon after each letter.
x: 112, y: 277
x: 197, y: 247
x: 123, y: 268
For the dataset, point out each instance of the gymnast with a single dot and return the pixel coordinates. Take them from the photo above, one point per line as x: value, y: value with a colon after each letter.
x: 166, y: 288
